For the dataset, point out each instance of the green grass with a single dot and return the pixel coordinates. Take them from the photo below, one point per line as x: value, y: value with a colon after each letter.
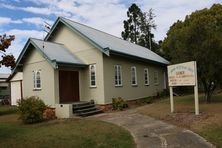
x: 208, y: 124
x: 63, y: 133
x: 5, y: 109
x: 214, y: 134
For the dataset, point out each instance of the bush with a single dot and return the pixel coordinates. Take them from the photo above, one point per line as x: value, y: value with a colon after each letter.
x: 119, y: 103
x: 148, y: 100
x: 49, y: 114
x: 31, y: 109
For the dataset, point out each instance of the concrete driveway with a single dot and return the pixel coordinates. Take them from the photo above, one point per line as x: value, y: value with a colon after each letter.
x: 151, y: 133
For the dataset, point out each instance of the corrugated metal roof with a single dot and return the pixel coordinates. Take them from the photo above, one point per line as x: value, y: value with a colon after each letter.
x: 116, y: 44
x: 57, y: 52
x: 4, y: 75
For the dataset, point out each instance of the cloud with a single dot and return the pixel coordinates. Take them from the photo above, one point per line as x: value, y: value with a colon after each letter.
x: 37, y: 21
x: 169, y: 12
x: 7, y: 20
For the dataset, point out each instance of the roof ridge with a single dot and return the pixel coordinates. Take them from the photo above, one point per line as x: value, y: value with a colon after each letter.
x: 46, y: 41
x: 103, y: 32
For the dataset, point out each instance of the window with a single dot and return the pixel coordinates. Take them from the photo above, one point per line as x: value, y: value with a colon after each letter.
x: 118, y: 75
x: 133, y: 76
x: 37, y: 79
x: 156, y: 78
x: 146, y: 76
x: 92, y: 75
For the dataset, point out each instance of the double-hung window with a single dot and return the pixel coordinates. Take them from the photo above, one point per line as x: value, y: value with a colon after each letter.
x: 146, y: 76
x: 133, y: 76
x: 92, y: 76
x: 156, y: 78
x: 37, y: 79
x: 118, y: 75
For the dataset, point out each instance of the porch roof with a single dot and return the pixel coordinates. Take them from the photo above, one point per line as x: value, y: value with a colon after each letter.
x: 57, y: 52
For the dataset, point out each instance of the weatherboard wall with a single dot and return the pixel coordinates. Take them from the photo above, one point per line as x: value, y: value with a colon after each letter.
x: 89, y: 55
x: 127, y: 91
x: 36, y: 61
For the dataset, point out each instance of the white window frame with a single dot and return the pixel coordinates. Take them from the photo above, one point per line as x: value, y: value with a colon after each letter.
x: 146, y: 76
x: 135, y: 74
x: 35, y: 86
x: 118, y: 75
x: 90, y: 75
x: 156, y: 74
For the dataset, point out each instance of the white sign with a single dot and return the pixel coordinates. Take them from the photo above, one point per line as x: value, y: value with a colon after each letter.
x: 183, y: 74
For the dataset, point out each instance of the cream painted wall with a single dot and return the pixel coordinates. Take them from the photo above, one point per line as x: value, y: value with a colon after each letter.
x: 88, y: 54
x: 16, y: 85
x: 35, y: 61
x: 15, y: 92
x: 127, y: 91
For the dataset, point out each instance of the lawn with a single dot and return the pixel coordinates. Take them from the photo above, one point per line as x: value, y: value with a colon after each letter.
x: 208, y: 124
x: 62, y: 133
x: 6, y: 109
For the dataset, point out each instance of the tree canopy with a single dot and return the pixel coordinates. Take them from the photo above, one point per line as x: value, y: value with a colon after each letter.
x: 138, y: 26
x: 7, y: 60
x: 199, y: 38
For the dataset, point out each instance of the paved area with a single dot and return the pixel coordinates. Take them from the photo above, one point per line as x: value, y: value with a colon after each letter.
x: 151, y: 133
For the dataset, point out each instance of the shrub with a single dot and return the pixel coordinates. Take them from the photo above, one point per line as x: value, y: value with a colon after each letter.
x: 49, y: 114
x: 148, y: 100
x: 31, y: 109
x: 119, y: 103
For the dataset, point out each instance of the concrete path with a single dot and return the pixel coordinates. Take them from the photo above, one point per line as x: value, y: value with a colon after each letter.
x: 151, y: 133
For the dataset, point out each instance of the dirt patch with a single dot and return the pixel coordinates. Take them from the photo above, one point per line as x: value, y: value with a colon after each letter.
x: 185, y: 119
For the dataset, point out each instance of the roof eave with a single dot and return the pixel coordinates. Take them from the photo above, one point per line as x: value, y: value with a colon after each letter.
x: 61, y: 63
x: 112, y: 52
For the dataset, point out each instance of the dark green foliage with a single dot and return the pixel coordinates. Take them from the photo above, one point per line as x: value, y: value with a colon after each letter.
x: 119, y: 103
x: 198, y: 38
x: 137, y: 28
x: 147, y: 100
x: 31, y: 109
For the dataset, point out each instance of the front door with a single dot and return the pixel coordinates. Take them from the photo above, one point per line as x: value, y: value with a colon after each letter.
x: 68, y: 86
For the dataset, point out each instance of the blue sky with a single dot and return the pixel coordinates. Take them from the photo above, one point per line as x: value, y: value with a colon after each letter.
x: 25, y: 18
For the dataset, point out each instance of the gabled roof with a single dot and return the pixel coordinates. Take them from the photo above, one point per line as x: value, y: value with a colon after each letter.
x: 54, y: 53
x: 110, y: 44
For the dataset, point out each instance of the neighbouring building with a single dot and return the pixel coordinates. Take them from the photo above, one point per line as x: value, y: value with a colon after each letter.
x: 4, y: 88
x: 78, y: 63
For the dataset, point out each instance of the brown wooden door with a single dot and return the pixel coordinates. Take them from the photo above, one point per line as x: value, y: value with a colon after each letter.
x: 68, y: 86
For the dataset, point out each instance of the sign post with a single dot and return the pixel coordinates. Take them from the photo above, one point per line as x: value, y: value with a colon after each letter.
x: 171, y: 100
x: 183, y: 74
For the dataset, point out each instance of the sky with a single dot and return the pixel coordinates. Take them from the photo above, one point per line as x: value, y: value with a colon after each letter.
x: 25, y: 18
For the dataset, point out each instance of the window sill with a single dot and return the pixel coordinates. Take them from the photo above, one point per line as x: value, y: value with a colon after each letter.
x: 37, y: 89
x: 118, y: 85
x: 134, y: 85
x: 146, y: 84
x: 92, y: 86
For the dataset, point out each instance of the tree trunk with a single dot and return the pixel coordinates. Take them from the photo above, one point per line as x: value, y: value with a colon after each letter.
x: 209, y: 88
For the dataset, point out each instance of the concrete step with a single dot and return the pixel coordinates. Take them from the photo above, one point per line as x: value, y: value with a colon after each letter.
x: 75, y: 108
x: 86, y: 109
x: 85, y: 114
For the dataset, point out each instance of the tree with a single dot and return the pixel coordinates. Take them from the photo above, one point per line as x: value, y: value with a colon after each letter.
x: 138, y: 26
x: 132, y: 25
x: 199, y: 38
x: 147, y: 23
x: 7, y: 60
